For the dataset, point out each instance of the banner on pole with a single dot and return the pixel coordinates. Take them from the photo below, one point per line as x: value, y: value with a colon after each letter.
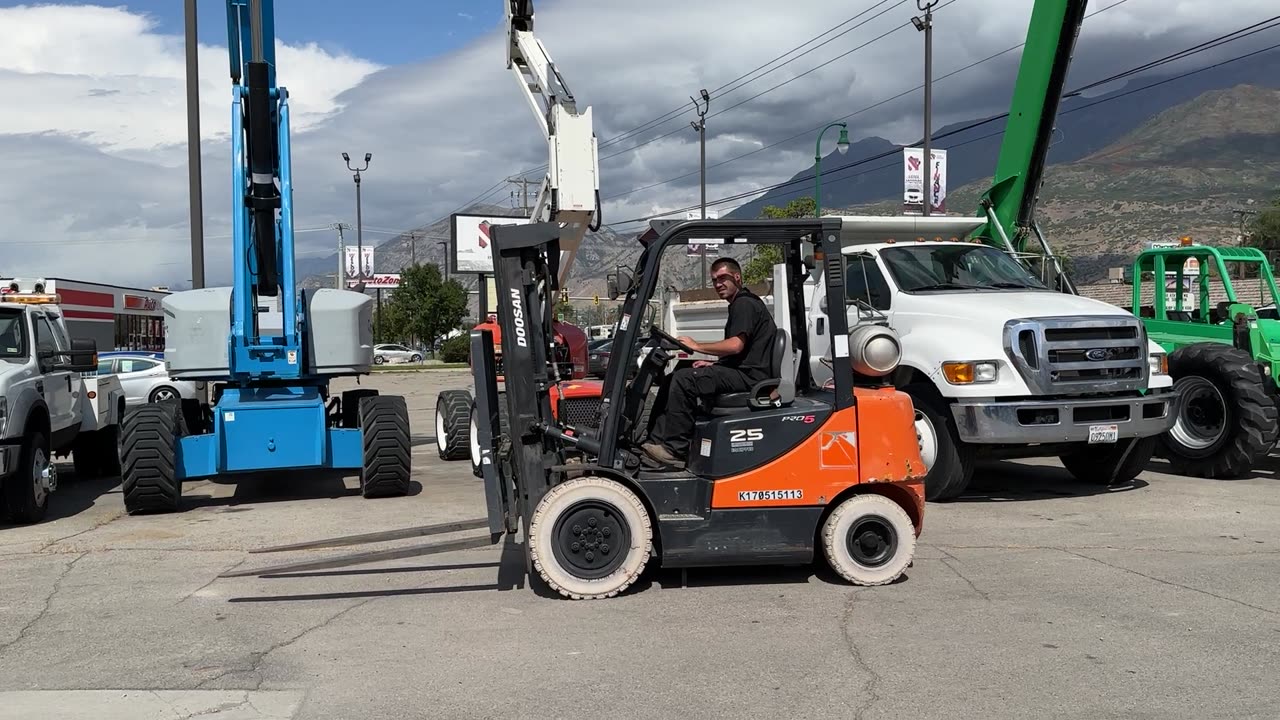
x: 349, y: 262
x: 913, y: 180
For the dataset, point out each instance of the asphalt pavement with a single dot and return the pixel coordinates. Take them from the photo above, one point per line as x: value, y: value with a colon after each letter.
x: 1031, y: 597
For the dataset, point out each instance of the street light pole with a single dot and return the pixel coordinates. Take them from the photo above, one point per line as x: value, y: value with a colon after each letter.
x: 360, y: 274
x: 193, y: 148
x: 842, y: 145
x: 925, y: 24
x: 701, y: 127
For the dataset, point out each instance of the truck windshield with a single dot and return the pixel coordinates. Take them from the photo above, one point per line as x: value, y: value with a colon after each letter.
x: 13, y: 334
x: 956, y: 267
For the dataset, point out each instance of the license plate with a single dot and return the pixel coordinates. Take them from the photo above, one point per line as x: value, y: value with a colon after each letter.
x: 1103, y: 434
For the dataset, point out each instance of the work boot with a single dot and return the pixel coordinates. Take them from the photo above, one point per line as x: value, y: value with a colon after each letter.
x: 659, y: 452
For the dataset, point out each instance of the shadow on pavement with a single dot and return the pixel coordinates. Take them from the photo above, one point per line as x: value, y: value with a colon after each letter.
x: 1015, y: 482
x: 256, y: 488
x: 74, y: 496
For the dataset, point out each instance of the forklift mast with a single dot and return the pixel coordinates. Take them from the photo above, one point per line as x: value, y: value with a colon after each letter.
x: 1009, y: 205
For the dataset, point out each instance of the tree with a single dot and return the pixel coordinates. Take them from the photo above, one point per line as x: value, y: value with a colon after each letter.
x: 1264, y: 231
x: 760, y: 268
x: 425, y: 306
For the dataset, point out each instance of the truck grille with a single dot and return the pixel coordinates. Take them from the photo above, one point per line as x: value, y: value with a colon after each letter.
x: 579, y: 412
x: 1079, y: 354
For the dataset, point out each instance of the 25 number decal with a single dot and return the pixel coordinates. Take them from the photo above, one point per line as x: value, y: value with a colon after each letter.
x: 747, y: 434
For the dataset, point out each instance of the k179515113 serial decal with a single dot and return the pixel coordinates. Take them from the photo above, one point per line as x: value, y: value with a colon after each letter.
x: 751, y: 495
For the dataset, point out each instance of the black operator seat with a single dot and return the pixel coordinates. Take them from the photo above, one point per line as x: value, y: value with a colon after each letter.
x: 778, y: 390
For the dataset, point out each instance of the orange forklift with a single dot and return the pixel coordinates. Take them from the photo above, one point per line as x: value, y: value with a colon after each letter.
x: 776, y: 475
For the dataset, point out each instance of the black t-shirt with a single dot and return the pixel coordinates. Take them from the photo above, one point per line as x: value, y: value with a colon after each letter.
x: 750, y: 319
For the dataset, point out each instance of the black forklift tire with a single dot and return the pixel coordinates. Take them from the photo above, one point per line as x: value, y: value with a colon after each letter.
x: 583, y: 565
x: 869, y: 540
x: 148, y: 458
x: 1109, y: 466
x: 350, y: 405
x: 952, y: 469
x: 388, y: 453
x: 24, y: 504
x: 453, y: 424
x: 1218, y: 384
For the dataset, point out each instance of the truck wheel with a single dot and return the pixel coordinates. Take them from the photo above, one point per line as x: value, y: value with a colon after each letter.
x: 27, y: 490
x: 869, y: 540
x: 1109, y: 466
x: 148, y: 458
x: 85, y: 455
x: 453, y: 424
x: 589, y: 538
x: 951, y: 466
x: 388, y: 457
x: 1226, y: 421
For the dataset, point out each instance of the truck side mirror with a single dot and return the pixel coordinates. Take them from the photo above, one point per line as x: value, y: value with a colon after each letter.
x: 625, y: 280
x: 611, y: 283
x: 82, y: 358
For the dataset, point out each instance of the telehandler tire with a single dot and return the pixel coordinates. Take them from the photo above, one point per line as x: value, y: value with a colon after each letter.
x: 388, y: 453
x: 1226, y: 420
x: 590, y: 538
x: 1109, y: 466
x: 453, y: 424
x: 951, y: 468
x: 148, y: 457
x: 869, y: 540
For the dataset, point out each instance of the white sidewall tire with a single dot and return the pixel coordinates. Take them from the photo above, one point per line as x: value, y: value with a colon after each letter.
x: 474, y: 442
x: 541, y: 537
x: 835, y: 533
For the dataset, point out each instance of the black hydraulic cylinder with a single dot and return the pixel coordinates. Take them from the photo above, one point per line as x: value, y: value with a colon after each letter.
x: 264, y: 198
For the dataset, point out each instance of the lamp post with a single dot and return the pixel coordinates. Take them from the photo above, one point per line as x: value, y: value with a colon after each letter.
x: 355, y: 174
x: 701, y: 127
x: 925, y: 25
x: 842, y: 145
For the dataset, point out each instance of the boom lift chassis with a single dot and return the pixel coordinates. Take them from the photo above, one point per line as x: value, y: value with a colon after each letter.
x: 719, y: 511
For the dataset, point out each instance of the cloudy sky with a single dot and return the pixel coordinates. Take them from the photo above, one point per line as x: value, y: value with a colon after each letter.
x: 93, y: 129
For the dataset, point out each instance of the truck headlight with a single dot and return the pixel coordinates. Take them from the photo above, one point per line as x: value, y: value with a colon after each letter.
x: 968, y: 373
x: 1158, y: 363
x: 4, y: 414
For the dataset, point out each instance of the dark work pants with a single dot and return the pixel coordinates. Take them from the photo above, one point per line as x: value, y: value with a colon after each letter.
x: 673, y: 427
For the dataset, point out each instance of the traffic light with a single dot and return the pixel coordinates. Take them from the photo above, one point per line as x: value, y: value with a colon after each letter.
x: 564, y: 295
x: 596, y: 298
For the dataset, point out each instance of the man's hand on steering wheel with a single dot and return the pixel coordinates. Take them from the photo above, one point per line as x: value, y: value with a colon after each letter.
x: 689, y: 343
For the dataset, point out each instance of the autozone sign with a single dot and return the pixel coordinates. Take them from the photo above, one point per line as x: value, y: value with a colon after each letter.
x: 384, y: 281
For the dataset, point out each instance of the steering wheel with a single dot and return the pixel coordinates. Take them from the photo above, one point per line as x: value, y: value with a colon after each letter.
x: 669, y: 340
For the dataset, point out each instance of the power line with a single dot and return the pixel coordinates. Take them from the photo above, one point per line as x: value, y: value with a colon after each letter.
x: 970, y: 126
x: 873, y: 106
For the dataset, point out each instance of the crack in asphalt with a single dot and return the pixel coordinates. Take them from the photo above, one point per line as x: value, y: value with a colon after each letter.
x: 1171, y: 583
x: 962, y: 576
x: 48, y: 601
x: 873, y: 678
x: 1205, y: 553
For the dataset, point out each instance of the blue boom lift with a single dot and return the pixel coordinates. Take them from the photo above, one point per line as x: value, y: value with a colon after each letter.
x: 267, y: 350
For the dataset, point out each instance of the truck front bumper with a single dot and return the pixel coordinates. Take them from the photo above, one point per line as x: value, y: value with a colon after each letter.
x: 1065, y: 420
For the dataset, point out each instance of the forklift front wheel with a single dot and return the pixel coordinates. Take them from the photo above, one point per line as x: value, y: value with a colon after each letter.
x: 590, y: 538
x: 869, y: 540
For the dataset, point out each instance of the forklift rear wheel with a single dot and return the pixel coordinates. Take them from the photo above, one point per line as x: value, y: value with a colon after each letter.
x: 384, y: 429
x: 453, y: 424
x: 869, y: 540
x: 148, y: 457
x: 590, y: 538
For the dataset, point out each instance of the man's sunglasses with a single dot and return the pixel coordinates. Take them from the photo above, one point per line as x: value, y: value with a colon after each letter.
x: 718, y: 279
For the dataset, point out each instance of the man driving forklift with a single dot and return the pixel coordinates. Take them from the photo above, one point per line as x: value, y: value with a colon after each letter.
x: 744, y: 361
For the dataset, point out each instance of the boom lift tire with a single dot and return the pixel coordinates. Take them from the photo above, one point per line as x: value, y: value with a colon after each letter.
x: 590, y: 537
x: 388, y: 454
x: 453, y: 424
x: 1109, y: 467
x: 148, y: 454
x: 1226, y: 421
x: 869, y: 540
x: 26, y: 497
x: 952, y: 467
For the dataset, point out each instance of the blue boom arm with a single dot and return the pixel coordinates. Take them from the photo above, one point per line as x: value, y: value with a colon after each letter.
x: 262, y: 199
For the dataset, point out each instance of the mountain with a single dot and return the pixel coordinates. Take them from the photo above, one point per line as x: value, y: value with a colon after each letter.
x: 1084, y: 126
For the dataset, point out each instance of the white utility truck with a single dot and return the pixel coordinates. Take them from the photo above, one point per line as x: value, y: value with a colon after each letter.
x: 47, y: 408
x: 997, y: 364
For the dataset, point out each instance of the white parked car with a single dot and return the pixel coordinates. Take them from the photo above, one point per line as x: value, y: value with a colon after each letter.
x: 389, y: 352
x: 145, y: 378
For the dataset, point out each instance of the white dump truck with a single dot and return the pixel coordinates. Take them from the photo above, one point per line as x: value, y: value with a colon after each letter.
x: 48, y: 408
x: 998, y: 365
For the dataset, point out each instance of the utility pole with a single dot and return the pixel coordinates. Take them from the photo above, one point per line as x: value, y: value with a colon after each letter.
x: 701, y: 127
x: 413, y: 248
x: 523, y: 182
x: 360, y: 276
x: 193, y: 148
x: 925, y: 24
x: 340, y: 282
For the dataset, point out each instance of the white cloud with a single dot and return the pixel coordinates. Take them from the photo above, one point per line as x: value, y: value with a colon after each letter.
x: 95, y: 126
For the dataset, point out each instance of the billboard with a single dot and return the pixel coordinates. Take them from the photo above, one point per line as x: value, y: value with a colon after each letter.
x: 697, y: 246
x: 381, y: 281
x: 912, y: 180
x: 349, y: 260
x: 470, y: 249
